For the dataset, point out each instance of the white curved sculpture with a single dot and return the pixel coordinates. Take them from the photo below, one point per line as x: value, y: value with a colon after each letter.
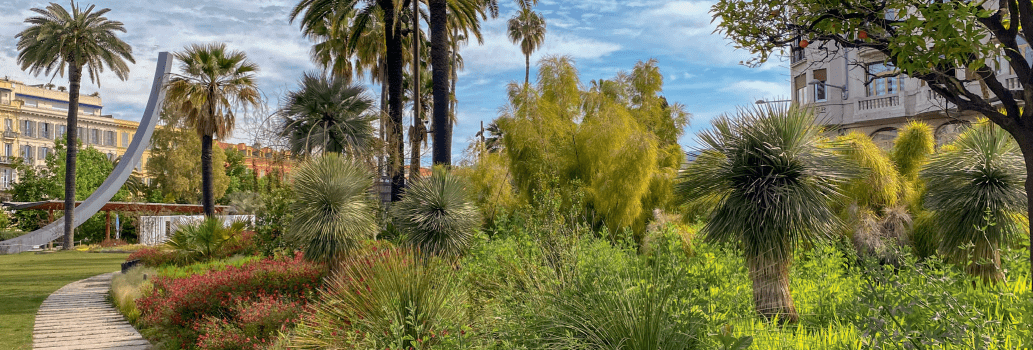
x: 114, y: 182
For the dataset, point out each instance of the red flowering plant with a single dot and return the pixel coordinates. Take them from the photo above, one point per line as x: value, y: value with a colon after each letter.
x: 177, y: 309
x: 253, y: 324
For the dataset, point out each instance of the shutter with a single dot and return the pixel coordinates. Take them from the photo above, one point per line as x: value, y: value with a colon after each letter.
x: 800, y: 81
x: 819, y: 74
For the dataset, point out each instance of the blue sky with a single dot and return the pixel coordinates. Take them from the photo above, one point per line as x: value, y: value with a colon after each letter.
x: 700, y: 69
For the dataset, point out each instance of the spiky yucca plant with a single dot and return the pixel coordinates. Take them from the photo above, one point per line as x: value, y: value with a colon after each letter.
x: 437, y: 214
x: 775, y: 183
x: 332, y: 213
x: 978, y: 191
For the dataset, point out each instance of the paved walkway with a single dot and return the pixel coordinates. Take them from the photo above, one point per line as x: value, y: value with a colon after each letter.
x: 79, y: 316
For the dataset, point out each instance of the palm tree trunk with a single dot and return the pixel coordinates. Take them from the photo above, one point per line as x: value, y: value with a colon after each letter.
x: 207, y: 200
x: 452, y: 92
x: 771, y: 289
x: 439, y: 61
x: 527, y: 69
x: 417, y: 120
x: 986, y: 262
x: 392, y: 32
x: 74, y: 80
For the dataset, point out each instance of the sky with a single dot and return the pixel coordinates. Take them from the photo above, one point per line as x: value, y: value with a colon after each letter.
x: 701, y: 69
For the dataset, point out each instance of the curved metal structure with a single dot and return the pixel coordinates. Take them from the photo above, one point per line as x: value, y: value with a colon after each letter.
x: 114, y: 182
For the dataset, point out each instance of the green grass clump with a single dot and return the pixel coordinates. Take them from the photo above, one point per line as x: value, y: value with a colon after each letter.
x: 27, y: 279
x: 127, y: 287
x: 172, y: 271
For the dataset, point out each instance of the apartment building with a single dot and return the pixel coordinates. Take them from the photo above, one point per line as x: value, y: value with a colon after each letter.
x: 854, y: 90
x: 33, y: 117
x: 263, y: 160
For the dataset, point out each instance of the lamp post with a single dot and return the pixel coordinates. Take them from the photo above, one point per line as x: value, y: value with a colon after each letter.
x: 843, y: 89
x: 761, y: 102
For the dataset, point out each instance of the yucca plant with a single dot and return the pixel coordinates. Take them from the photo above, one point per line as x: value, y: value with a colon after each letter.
x: 203, y: 240
x: 392, y: 298
x: 333, y: 212
x: 977, y: 197
x: 775, y: 182
x: 437, y: 214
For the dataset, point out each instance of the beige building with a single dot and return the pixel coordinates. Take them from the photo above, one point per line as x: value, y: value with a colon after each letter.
x: 32, y: 117
x: 853, y: 90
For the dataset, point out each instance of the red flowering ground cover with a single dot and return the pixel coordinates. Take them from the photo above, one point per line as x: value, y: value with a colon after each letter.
x: 213, y: 309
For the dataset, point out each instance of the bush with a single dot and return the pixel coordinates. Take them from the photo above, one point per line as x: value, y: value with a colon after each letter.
x: 252, y: 324
x: 176, y: 308
x: 207, y: 239
x: 392, y: 298
x: 127, y: 287
x: 437, y: 215
x: 154, y: 257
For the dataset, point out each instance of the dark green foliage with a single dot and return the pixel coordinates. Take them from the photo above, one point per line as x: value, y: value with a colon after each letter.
x: 328, y: 114
x: 205, y: 240
x: 437, y: 214
x: 272, y: 221
x: 333, y: 212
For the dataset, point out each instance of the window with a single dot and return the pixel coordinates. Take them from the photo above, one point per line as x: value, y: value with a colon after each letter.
x: 820, y: 93
x: 81, y: 133
x: 43, y: 152
x: 45, y: 129
x: 800, y: 88
x: 125, y: 139
x: 95, y: 137
x: 5, y: 178
x: 111, y: 157
x: 61, y: 131
x: 8, y: 125
x: 8, y: 150
x: 27, y: 152
x: 27, y: 126
x: 892, y: 14
x: 109, y: 138
x: 882, y: 80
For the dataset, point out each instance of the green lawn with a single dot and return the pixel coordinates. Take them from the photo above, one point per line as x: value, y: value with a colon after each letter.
x: 27, y: 279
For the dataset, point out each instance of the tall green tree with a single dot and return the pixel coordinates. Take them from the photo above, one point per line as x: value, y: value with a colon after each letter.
x: 930, y: 41
x: 327, y: 114
x: 527, y: 28
x: 214, y: 84
x: 173, y: 166
x: 776, y: 184
x: 58, y: 40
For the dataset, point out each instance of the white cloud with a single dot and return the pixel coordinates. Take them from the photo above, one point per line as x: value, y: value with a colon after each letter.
x: 757, y: 89
x: 681, y: 29
x: 498, y: 53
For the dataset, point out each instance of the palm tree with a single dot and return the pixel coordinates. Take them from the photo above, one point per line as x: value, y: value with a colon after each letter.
x: 332, y: 214
x: 215, y: 83
x: 329, y: 115
x: 774, y: 182
x: 527, y: 28
x: 57, y: 40
x: 978, y: 197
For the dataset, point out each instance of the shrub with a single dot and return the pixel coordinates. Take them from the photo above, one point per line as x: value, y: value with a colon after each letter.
x: 437, y: 214
x: 251, y: 324
x: 332, y: 213
x: 207, y: 239
x: 176, y: 307
x: 391, y: 298
x: 127, y: 287
x: 154, y: 257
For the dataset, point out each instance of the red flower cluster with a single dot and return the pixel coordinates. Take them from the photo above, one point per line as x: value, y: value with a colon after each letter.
x: 252, y: 325
x: 179, y: 307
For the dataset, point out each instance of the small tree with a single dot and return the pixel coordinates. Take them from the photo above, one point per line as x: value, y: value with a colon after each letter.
x: 775, y: 184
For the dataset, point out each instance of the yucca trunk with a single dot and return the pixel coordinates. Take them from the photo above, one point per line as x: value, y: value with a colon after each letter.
x: 442, y: 151
x: 74, y: 80
x: 771, y: 289
x: 207, y: 188
x: 985, y: 262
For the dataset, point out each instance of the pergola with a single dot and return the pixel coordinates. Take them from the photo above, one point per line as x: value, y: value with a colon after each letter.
x: 52, y: 205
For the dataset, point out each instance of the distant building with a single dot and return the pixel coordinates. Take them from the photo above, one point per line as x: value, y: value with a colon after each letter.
x: 263, y: 160
x: 32, y: 117
x: 854, y: 90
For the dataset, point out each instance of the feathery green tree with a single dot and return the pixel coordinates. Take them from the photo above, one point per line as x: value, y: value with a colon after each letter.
x: 978, y: 197
x: 776, y: 183
x: 59, y: 40
x: 214, y: 85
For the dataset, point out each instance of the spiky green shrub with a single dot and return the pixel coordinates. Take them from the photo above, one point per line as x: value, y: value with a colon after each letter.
x: 911, y: 151
x: 776, y: 183
x: 437, y: 215
x: 979, y: 190
x: 393, y: 298
x: 204, y: 240
x: 880, y: 183
x: 332, y: 212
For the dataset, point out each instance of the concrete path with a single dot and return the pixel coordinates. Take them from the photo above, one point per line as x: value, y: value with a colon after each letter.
x: 79, y: 316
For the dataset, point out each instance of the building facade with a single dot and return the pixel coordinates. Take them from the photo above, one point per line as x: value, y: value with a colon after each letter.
x: 33, y: 117
x: 263, y: 160
x: 854, y: 90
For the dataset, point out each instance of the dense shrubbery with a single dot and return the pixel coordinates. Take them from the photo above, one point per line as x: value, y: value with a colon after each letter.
x: 177, y: 308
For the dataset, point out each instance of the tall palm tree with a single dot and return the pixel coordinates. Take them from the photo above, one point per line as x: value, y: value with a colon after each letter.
x: 774, y: 183
x: 527, y: 28
x: 328, y: 114
x: 978, y: 197
x: 214, y: 84
x: 59, y: 40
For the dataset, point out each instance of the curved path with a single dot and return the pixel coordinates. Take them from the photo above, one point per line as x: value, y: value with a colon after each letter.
x: 118, y: 176
x: 79, y: 316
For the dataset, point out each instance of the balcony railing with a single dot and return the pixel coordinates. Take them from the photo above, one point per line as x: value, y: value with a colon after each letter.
x: 10, y: 134
x: 1012, y: 84
x: 9, y: 159
x: 881, y: 102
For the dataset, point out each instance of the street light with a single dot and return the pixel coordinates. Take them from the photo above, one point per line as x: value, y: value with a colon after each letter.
x: 843, y: 89
x: 761, y: 102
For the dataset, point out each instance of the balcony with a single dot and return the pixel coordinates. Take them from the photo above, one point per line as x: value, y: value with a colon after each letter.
x: 9, y: 134
x: 9, y: 159
x: 879, y: 102
x: 1012, y: 84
